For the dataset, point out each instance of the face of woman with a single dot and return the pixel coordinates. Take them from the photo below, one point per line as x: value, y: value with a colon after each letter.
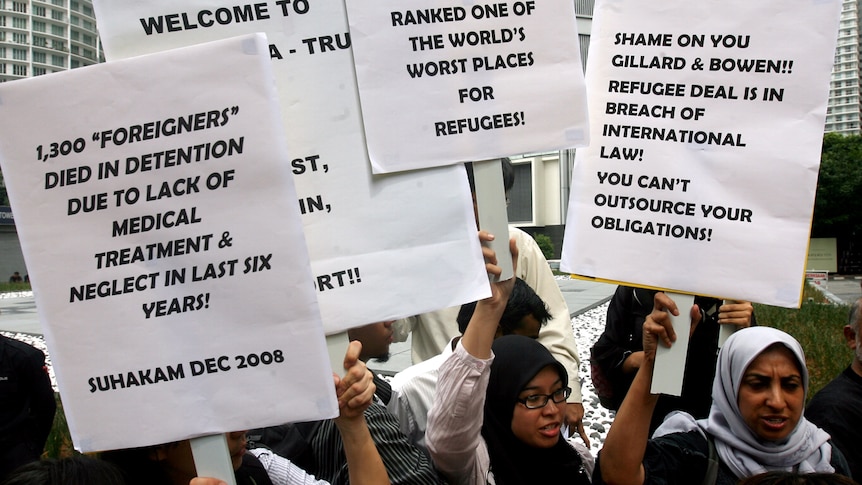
x: 540, y: 428
x: 771, y: 396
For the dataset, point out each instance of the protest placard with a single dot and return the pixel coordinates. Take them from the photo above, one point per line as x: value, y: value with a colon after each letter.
x: 707, y: 122
x: 442, y: 82
x: 376, y: 242
x: 139, y: 189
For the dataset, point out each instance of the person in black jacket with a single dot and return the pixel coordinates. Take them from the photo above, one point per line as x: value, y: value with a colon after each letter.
x: 836, y: 408
x: 27, y: 404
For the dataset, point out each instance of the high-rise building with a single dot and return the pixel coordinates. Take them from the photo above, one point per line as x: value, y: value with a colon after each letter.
x: 44, y: 36
x: 40, y: 37
x: 844, y: 111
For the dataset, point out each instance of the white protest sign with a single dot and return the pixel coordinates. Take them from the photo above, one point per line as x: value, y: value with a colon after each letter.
x: 707, y: 122
x: 160, y: 229
x: 381, y: 247
x: 443, y: 81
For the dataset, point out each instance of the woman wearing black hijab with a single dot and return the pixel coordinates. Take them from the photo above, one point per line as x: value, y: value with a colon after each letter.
x: 521, y: 392
x: 519, y: 367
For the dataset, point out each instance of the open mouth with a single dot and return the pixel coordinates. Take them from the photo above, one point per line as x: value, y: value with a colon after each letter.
x: 774, y: 422
x: 552, y: 429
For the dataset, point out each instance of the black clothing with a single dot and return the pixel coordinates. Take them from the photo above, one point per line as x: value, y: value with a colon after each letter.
x: 837, y: 408
x: 27, y: 404
x: 251, y: 472
x: 682, y: 459
x: 139, y: 467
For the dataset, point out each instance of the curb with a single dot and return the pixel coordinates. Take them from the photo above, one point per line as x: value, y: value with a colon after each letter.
x: 831, y: 297
x: 590, y: 307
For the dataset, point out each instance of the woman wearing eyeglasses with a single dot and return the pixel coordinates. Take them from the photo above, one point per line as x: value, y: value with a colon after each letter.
x: 518, y: 389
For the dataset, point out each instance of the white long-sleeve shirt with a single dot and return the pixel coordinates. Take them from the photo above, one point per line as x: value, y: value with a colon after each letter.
x: 282, y: 471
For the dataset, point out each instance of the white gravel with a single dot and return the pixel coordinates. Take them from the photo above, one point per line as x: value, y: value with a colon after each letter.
x: 588, y: 326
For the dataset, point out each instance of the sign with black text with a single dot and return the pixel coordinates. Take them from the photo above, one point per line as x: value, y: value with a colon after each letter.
x: 443, y: 81
x: 707, y: 123
x: 158, y: 221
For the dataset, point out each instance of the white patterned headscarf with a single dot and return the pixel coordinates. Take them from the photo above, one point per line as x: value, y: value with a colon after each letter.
x: 805, y: 450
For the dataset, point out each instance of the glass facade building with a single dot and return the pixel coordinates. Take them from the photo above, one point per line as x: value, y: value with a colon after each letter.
x: 43, y: 36
x: 844, y: 111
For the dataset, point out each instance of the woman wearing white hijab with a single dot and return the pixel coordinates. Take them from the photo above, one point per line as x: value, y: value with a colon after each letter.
x: 755, y: 423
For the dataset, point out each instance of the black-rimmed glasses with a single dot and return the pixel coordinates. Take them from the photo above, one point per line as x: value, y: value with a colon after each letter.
x: 536, y: 401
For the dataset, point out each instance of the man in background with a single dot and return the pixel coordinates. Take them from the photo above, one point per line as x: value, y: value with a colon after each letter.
x: 837, y: 408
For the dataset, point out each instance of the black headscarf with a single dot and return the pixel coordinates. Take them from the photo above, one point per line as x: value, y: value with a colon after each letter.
x: 517, y: 360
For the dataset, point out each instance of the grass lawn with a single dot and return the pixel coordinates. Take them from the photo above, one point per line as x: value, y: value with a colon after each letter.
x: 817, y: 325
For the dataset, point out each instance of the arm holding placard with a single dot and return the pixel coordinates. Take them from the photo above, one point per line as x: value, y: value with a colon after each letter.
x: 454, y: 435
x: 355, y: 393
x: 621, y: 458
x: 490, y: 182
x: 477, y: 339
x: 618, y: 354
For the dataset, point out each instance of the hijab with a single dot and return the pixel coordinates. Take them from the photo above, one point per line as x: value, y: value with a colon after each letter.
x: 517, y: 360
x: 737, y: 445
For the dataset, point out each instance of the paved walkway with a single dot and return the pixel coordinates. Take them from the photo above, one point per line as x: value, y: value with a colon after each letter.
x: 18, y: 313
x: 843, y: 289
x: 582, y: 295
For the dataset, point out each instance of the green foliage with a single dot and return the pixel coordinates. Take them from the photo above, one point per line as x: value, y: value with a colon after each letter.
x: 838, y: 206
x: 819, y: 328
x: 545, y: 244
x: 59, y: 443
x: 6, y: 287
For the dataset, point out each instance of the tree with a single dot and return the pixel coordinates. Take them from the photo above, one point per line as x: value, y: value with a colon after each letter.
x: 838, y: 206
x: 545, y: 244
